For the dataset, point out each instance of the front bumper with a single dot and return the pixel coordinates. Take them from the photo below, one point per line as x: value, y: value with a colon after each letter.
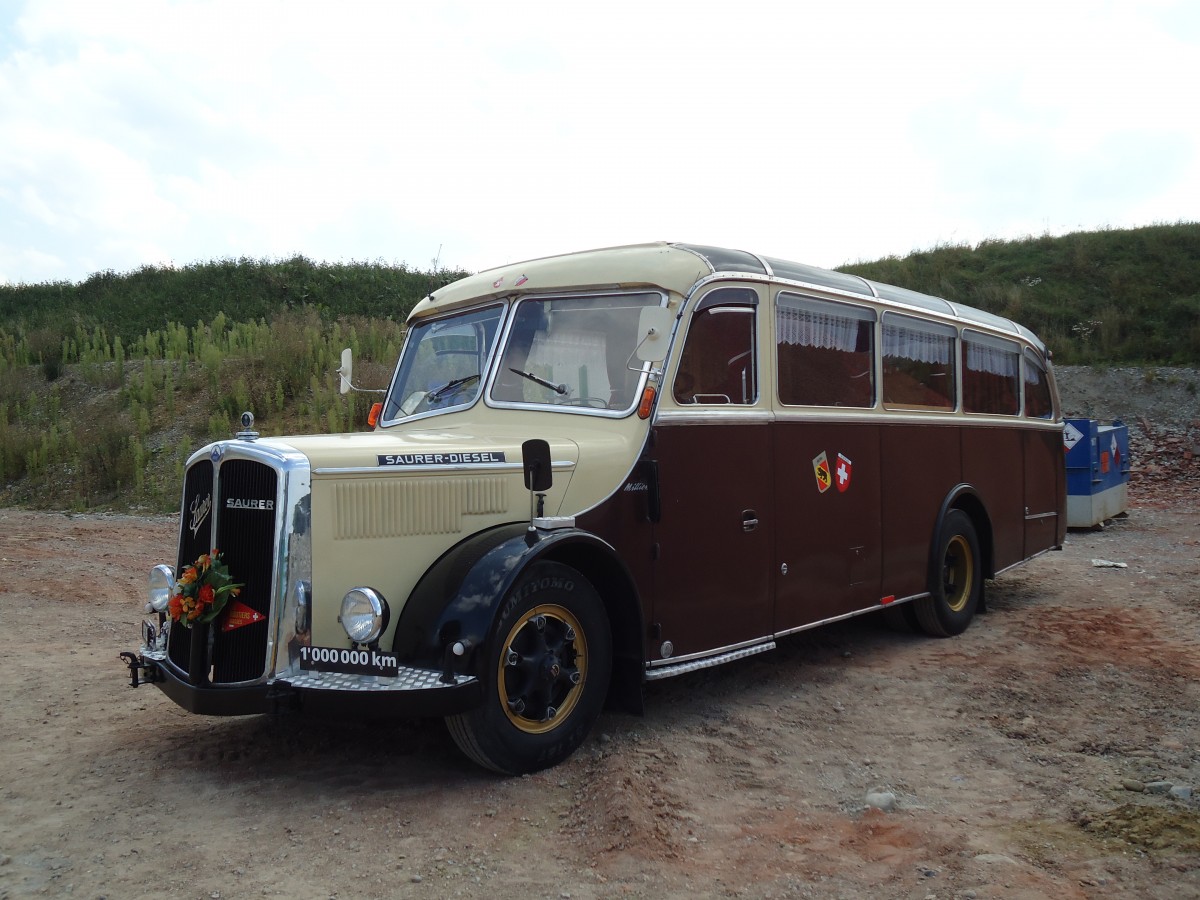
x: 413, y: 693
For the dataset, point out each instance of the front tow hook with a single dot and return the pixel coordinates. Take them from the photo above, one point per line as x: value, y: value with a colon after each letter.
x: 137, y: 665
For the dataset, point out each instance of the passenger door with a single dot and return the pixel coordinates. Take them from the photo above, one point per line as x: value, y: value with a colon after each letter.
x: 713, y: 542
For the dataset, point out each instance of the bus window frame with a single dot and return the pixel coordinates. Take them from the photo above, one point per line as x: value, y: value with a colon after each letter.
x: 929, y: 325
x: 720, y: 300
x: 858, y: 311
x: 1031, y: 356
x: 995, y: 342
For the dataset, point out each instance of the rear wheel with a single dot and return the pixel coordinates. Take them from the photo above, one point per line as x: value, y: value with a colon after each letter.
x: 955, y: 581
x: 547, y: 669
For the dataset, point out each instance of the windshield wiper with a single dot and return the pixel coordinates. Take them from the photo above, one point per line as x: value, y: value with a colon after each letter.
x: 557, y: 388
x: 449, y: 385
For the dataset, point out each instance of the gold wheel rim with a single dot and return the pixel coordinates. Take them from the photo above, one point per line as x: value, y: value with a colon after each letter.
x: 958, y: 573
x: 542, y: 668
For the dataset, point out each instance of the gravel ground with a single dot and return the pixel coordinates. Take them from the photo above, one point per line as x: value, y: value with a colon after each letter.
x: 1050, y: 751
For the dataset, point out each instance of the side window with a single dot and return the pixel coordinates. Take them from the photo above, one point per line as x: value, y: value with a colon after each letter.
x: 718, y: 364
x: 826, y: 352
x: 918, y: 363
x: 1038, y: 402
x: 991, y: 368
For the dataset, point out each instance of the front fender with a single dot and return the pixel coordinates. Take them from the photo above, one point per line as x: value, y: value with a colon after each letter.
x: 457, y: 598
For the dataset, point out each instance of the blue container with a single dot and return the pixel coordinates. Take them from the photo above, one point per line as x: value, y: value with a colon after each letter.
x: 1097, y: 471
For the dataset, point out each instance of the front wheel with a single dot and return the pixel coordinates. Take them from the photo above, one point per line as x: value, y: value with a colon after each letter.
x: 547, y: 666
x: 956, y: 579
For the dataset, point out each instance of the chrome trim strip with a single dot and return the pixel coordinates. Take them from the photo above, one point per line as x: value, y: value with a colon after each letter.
x: 719, y: 416
x: 1029, y: 517
x: 559, y: 465
x: 851, y: 615
x: 884, y: 416
x: 882, y: 303
x: 1022, y: 562
x: 695, y: 665
x: 675, y: 660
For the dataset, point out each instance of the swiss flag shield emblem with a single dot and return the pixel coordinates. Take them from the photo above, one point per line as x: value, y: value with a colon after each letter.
x: 841, y: 475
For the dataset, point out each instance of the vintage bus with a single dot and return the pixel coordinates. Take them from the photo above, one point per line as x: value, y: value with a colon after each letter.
x: 603, y: 468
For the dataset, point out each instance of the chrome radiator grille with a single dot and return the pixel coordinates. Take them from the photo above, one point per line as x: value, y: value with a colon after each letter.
x: 243, y: 496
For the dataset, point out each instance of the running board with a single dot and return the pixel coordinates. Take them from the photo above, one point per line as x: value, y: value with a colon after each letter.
x: 694, y: 665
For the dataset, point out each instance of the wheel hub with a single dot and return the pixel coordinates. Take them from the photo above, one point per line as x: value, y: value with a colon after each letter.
x: 542, y: 668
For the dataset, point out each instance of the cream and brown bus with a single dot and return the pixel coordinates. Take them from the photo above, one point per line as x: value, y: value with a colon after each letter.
x: 603, y: 468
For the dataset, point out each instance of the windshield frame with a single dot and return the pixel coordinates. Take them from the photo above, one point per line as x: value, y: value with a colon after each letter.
x: 643, y: 369
x: 498, y: 352
x: 413, y: 333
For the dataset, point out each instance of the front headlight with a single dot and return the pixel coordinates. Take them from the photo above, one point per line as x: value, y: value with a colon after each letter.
x: 364, y: 614
x: 160, y: 587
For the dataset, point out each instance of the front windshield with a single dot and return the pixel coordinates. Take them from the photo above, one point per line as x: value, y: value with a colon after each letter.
x: 573, y: 351
x: 444, y: 363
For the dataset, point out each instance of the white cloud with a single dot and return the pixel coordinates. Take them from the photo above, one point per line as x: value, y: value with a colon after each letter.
x: 136, y: 132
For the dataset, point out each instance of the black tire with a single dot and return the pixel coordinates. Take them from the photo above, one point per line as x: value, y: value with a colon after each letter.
x: 546, y: 672
x: 955, y: 581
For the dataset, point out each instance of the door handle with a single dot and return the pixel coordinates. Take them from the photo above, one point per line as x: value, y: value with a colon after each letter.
x: 749, y: 520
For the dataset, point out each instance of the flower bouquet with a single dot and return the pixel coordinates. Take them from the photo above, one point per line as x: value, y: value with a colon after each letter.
x: 202, y: 591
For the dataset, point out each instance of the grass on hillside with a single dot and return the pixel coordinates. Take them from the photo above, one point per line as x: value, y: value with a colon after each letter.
x: 108, y: 385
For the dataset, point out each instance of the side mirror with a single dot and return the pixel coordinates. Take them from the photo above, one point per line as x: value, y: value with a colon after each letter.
x: 346, y: 371
x: 535, y: 457
x: 654, y: 330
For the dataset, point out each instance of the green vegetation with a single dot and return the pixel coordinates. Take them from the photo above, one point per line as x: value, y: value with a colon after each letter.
x: 105, y: 391
x: 1122, y: 297
x: 108, y: 385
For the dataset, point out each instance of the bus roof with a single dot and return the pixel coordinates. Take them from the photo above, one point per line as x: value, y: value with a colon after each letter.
x: 680, y: 268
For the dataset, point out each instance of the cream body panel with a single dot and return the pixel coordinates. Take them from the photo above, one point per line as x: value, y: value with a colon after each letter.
x: 640, y: 265
x: 382, y: 526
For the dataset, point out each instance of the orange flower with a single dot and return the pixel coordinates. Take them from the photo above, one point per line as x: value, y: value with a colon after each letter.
x: 175, y: 607
x: 189, y: 575
x: 206, y: 596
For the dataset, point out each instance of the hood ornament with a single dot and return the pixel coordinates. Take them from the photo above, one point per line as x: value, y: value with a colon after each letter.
x: 247, y: 433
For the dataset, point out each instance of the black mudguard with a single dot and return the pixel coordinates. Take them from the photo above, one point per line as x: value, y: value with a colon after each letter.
x: 457, y: 599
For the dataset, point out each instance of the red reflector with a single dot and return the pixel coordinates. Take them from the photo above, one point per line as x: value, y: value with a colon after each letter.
x: 373, y: 415
x: 890, y: 598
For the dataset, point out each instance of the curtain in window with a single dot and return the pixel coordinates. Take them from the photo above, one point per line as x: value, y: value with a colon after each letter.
x: 805, y: 328
x: 919, y: 346
x: 993, y: 360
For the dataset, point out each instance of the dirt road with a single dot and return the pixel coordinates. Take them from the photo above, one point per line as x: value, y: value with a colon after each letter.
x: 1014, y: 754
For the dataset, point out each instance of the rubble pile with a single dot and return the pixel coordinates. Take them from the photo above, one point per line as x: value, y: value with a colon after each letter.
x: 1165, y: 460
x: 1161, y: 406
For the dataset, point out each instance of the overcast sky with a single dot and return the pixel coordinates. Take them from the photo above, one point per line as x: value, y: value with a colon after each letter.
x: 170, y: 132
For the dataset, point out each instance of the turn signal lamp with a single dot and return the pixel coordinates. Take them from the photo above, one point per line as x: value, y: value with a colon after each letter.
x: 373, y: 415
x: 647, y: 403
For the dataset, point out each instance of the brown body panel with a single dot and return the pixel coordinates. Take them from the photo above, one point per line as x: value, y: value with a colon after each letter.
x: 1045, y: 492
x: 828, y: 539
x: 994, y: 465
x: 921, y: 465
x: 712, y: 578
x: 707, y: 584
